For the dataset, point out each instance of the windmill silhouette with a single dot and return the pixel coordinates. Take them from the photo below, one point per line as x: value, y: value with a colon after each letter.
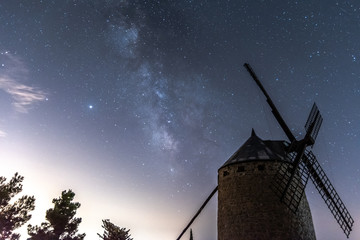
x: 291, y: 177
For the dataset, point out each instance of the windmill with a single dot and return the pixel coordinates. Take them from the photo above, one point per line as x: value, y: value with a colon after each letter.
x: 295, y: 164
x: 304, y: 165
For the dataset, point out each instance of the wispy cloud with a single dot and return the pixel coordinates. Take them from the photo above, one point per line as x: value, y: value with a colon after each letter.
x: 12, y: 71
x: 2, y: 134
x: 23, y: 96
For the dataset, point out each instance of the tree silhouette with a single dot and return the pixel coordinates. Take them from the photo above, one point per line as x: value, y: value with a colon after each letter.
x: 13, y: 215
x: 61, y: 221
x: 113, y: 232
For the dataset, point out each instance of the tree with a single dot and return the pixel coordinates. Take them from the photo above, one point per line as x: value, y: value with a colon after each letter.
x: 61, y: 221
x: 113, y: 232
x: 13, y: 215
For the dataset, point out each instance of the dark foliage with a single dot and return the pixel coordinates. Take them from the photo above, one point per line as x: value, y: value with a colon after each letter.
x: 113, y: 232
x: 13, y: 215
x: 61, y: 221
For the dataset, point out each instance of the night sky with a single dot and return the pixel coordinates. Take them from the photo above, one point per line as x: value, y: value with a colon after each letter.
x: 135, y: 104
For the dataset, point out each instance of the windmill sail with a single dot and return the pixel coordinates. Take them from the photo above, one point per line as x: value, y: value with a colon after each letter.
x: 291, y: 191
x: 316, y: 119
x: 294, y: 176
x: 310, y: 167
x: 328, y: 193
x: 274, y: 110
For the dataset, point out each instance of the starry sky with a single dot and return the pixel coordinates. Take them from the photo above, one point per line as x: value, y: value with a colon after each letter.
x: 135, y: 104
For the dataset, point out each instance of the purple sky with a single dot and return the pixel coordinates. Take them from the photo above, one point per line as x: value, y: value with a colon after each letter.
x: 134, y: 105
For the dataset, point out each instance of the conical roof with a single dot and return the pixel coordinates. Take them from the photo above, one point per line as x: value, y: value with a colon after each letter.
x: 256, y: 149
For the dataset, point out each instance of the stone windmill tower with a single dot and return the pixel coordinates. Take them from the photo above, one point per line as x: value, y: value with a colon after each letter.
x: 247, y: 207
x: 261, y: 187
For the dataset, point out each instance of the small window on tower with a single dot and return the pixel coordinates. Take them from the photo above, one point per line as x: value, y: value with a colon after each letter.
x: 241, y: 169
x: 225, y: 173
x: 261, y: 167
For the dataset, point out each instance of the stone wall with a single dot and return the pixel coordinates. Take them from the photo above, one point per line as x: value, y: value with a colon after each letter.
x: 249, y: 209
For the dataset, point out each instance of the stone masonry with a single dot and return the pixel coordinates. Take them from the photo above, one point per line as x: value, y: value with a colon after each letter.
x: 249, y: 210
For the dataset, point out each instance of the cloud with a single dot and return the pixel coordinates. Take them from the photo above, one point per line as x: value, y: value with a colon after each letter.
x: 23, y: 96
x: 12, y: 72
x: 2, y: 134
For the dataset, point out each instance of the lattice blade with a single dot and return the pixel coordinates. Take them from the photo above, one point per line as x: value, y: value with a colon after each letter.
x: 316, y: 119
x: 292, y: 197
x: 328, y: 193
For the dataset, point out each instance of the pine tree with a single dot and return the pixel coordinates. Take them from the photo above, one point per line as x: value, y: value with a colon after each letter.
x: 61, y: 221
x: 113, y: 232
x: 13, y: 215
